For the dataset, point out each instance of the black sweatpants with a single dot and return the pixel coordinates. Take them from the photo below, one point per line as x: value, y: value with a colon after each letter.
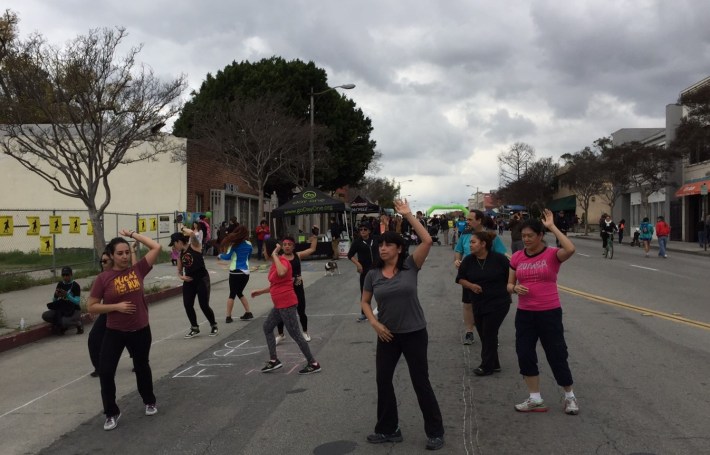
x: 111, y: 350
x: 414, y: 347
x: 487, y: 326
x: 547, y: 327
x: 200, y: 288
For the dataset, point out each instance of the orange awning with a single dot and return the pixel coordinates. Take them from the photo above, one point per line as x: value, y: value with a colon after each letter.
x: 690, y: 189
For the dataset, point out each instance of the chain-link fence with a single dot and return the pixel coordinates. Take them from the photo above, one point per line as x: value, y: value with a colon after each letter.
x: 41, y: 242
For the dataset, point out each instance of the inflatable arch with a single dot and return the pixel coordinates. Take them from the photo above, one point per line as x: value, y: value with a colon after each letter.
x: 453, y: 208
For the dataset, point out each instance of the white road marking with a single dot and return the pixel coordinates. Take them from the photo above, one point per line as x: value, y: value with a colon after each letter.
x: 585, y: 255
x: 645, y: 268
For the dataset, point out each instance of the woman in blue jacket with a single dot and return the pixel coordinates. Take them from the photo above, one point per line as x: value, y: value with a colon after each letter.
x: 238, y: 249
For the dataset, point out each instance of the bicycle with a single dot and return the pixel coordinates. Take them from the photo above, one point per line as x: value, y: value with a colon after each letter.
x: 609, y: 250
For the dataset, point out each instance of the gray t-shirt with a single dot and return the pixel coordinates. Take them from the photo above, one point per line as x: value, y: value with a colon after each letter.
x: 397, y: 301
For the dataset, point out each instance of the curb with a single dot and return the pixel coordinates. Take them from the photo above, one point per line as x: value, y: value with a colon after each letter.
x: 669, y: 246
x: 40, y: 331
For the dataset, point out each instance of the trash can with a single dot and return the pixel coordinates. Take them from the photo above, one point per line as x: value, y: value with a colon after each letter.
x: 343, y: 248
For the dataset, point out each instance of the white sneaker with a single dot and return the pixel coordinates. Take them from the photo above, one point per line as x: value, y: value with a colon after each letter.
x: 531, y: 406
x: 279, y: 339
x: 306, y: 336
x: 151, y: 409
x: 111, y: 422
x: 571, y: 406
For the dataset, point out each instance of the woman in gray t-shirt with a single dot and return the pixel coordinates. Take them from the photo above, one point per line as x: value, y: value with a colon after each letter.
x: 401, y: 329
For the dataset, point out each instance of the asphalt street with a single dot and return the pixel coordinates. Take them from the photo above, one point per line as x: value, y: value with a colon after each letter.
x: 637, y: 330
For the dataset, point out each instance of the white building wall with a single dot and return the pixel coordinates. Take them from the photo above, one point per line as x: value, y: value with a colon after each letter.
x: 157, y: 186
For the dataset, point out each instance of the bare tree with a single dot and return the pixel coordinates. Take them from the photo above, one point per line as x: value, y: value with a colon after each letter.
x: 256, y: 135
x: 98, y: 106
x: 513, y: 164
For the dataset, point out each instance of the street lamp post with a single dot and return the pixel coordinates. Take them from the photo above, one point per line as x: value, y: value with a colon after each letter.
x: 311, y: 155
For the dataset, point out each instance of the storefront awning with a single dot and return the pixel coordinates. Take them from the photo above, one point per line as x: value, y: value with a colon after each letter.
x: 567, y: 203
x: 690, y: 189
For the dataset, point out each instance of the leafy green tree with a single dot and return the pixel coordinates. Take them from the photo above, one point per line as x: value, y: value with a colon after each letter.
x: 692, y: 136
x: 584, y: 174
x: 379, y: 190
x: 73, y: 114
x: 647, y: 167
x: 342, y: 147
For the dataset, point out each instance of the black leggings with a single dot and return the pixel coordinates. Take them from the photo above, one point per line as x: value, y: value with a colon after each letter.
x: 237, y: 283
x: 111, y: 350
x: 96, y: 339
x: 199, y: 287
x: 301, y: 308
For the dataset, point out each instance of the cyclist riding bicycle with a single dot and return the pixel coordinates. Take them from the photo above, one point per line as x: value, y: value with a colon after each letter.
x: 607, y: 229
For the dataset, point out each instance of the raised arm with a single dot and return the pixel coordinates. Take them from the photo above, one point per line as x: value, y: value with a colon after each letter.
x: 422, y: 250
x: 311, y: 248
x: 566, y: 246
x: 153, y: 247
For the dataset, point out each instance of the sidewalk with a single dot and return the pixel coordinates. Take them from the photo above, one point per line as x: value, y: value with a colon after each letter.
x: 32, y: 302
x: 672, y: 246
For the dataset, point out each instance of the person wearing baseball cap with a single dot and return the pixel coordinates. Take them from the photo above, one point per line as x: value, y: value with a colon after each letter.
x: 366, y: 249
x: 64, y: 311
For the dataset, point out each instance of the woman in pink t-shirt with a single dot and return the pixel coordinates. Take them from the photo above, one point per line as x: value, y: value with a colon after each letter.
x: 533, y: 276
x: 285, y: 309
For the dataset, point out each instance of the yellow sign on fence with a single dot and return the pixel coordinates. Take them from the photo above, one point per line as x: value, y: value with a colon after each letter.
x: 89, y: 227
x: 33, y: 225
x: 6, y: 225
x: 55, y: 224
x: 46, y: 246
x: 153, y: 224
x: 141, y: 224
x: 74, y: 225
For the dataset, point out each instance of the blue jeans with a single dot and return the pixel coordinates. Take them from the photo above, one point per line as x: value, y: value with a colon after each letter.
x: 662, y: 240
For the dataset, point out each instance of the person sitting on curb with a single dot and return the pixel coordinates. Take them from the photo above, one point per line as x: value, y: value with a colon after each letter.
x: 65, y: 310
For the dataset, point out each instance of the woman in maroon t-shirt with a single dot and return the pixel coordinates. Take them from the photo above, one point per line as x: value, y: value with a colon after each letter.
x: 121, y: 290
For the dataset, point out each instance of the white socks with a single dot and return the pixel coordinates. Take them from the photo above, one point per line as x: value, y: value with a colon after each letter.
x: 536, y: 397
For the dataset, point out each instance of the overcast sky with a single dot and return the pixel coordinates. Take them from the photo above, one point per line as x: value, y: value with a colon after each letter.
x: 449, y: 84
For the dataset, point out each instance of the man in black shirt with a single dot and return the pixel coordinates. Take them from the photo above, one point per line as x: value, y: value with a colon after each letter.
x: 366, y: 249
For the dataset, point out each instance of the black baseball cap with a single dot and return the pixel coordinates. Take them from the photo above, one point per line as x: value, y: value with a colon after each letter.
x: 67, y: 271
x: 176, y: 236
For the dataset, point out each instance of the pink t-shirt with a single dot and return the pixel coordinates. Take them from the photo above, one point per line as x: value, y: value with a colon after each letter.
x: 115, y: 286
x: 539, y: 274
x: 281, y: 288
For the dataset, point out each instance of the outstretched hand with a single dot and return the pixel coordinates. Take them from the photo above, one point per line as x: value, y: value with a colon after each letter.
x: 402, y: 206
x: 548, y: 219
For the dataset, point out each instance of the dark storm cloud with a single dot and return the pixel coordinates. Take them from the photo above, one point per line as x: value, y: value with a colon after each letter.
x: 447, y: 85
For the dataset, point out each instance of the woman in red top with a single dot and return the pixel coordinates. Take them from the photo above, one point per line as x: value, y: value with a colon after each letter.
x: 285, y: 302
x: 262, y: 233
x: 127, y: 325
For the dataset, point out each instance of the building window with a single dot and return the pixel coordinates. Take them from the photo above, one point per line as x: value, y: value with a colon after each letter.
x: 198, y: 202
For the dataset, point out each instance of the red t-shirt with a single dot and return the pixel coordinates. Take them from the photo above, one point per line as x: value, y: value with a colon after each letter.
x: 115, y: 286
x: 538, y: 273
x: 281, y: 288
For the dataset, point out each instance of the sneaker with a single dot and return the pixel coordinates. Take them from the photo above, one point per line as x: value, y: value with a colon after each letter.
x: 79, y: 330
x: 306, y: 336
x: 246, y: 316
x: 271, y: 365
x: 435, y: 443
x: 194, y: 331
x: 229, y: 320
x: 94, y: 374
x: 280, y: 338
x: 151, y: 409
x: 531, y: 406
x: 310, y: 368
x: 379, y: 438
x: 111, y: 422
x: 468, y: 338
x: 361, y: 318
x: 571, y: 406
x: 214, y: 331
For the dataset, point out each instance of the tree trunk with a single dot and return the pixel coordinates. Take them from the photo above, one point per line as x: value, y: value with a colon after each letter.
x: 98, y: 227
